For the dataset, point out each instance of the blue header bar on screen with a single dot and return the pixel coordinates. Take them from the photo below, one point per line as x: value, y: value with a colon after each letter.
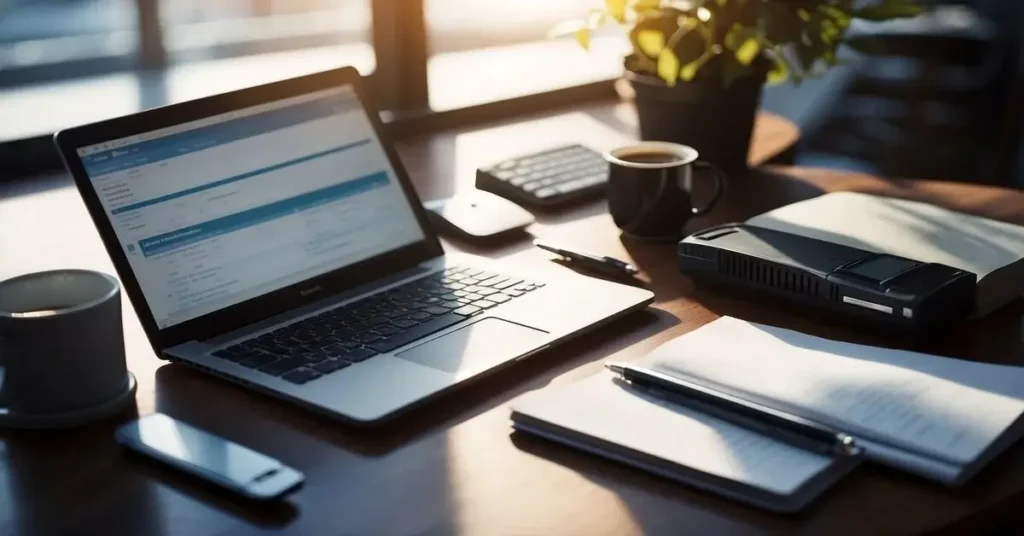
x: 162, y: 243
x: 236, y: 178
x: 189, y: 141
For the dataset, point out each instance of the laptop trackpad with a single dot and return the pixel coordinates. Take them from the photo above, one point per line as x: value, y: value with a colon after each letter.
x: 477, y: 346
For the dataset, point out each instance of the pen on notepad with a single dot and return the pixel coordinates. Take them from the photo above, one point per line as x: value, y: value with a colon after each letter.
x: 776, y: 424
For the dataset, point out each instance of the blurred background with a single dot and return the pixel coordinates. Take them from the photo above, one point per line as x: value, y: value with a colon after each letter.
x: 942, y: 101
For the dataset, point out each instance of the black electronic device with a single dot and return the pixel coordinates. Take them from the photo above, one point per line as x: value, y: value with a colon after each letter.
x: 882, y: 289
x: 547, y: 179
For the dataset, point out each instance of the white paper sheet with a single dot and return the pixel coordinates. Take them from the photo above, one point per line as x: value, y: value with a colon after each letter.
x: 948, y: 409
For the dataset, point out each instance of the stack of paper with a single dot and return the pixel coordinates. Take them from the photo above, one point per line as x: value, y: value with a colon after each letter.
x: 940, y: 418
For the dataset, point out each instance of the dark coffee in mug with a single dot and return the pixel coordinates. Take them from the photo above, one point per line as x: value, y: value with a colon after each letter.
x: 651, y: 158
x: 650, y: 187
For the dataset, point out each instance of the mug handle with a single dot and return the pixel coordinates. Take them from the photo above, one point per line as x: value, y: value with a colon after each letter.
x: 719, y: 186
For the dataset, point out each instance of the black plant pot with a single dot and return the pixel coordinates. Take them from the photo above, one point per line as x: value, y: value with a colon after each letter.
x: 713, y: 118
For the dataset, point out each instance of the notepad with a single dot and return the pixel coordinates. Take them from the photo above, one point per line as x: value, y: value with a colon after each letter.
x: 603, y: 417
x: 993, y: 250
x: 940, y: 418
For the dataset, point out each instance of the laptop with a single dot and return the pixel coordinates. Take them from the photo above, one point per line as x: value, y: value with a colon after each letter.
x: 271, y: 237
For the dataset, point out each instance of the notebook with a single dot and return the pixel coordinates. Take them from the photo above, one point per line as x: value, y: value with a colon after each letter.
x: 940, y: 418
x: 991, y: 249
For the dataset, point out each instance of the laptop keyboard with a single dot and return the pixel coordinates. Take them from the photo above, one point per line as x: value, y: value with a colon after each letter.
x: 337, y: 338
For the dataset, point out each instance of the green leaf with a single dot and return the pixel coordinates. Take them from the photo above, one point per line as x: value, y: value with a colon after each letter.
x: 597, y: 18
x: 617, y: 9
x: 888, y: 9
x: 651, y: 42
x: 830, y: 32
x: 690, y: 70
x: 687, y: 23
x: 646, y: 5
x: 841, y: 18
x: 780, y: 71
x: 734, y: 37
x: 583, y: 37
x: 749, y: 50
x: 668, y: 66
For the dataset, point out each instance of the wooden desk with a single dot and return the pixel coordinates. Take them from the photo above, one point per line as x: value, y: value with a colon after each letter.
x: 451, y: 466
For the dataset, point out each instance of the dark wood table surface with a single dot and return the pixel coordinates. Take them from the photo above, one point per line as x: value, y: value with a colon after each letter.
x: 452, y: 466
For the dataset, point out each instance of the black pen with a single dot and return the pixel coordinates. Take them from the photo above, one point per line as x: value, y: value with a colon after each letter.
x: 796, y: 431
x: 595, y: 263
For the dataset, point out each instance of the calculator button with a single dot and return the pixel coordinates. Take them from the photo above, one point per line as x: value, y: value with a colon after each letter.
x: 594, y: 180
x: 504, y: 175
x: 508, y: 164
x: 531, y: 186
x: 545, y: 193
x: 519, y: 181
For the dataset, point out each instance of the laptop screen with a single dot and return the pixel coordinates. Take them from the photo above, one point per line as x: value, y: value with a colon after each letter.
x: 217, y: 211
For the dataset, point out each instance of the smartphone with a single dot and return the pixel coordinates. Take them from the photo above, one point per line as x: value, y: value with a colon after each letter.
x: 212, y: 458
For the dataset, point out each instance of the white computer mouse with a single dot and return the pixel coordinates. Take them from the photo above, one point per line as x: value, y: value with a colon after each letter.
x: 477, y: 216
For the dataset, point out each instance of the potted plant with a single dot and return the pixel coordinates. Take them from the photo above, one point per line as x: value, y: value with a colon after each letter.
x: 697, y: 67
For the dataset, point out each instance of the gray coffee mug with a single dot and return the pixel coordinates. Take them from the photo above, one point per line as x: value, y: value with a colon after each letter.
x: 62, y: 350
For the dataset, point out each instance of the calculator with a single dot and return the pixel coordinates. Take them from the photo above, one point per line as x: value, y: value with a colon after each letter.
x: 547, y: 179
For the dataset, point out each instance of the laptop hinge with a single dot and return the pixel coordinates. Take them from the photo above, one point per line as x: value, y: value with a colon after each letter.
x: 319, y: 305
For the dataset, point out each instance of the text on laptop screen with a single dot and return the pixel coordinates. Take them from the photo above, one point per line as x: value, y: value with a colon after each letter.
x: 217, y: 211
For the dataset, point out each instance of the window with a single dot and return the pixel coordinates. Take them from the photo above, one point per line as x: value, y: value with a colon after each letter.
x: 48, y: 40
x: 499, y: 49
x: 445, y: 53
x: 259, y: 41
x: 209, y: 29
x: 38, y: 37
x: 420, y: 56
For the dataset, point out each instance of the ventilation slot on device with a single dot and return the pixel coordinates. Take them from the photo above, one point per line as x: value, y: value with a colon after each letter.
x: 698, y: 252
x: 769, y: 275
